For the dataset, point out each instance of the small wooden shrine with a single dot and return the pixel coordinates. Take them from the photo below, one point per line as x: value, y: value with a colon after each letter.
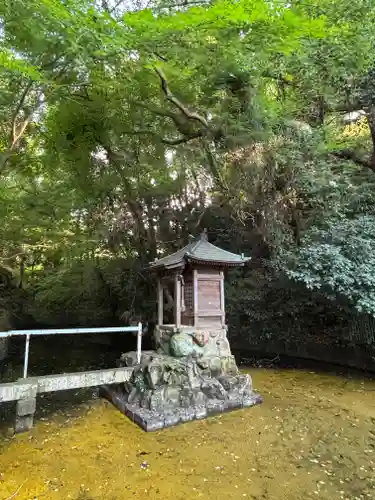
x: 192, y: 373
x: 197, y: 273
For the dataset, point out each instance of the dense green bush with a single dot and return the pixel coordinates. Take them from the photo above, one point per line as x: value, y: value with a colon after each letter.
x: 106, y: 292
x: 339, y: 260
x: 266, y: 310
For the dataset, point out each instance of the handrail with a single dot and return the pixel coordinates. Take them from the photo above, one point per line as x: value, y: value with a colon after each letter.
x: 70, y: 331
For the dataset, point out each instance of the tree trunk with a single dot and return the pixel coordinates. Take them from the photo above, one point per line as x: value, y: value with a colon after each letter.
x: 370, y: 113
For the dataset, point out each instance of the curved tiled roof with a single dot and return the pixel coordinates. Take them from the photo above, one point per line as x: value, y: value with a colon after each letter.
x: 199, y: 251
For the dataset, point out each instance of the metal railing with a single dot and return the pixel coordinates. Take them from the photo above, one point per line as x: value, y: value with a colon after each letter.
x: 71, y: 331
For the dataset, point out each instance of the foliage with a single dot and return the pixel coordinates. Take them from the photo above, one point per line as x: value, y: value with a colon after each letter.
x: 91, y: 293
x: 122, y: 131
x: 339, y: 260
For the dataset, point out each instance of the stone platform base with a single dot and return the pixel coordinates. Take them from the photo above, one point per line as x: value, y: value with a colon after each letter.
x: 164, y: 391
x: 150, y: 420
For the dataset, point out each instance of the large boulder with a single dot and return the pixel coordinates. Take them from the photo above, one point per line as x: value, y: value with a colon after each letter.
x: 183, y: 344
x: 213, y: 389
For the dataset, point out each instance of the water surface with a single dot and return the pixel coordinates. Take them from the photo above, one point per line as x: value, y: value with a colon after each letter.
x: 314, y: 437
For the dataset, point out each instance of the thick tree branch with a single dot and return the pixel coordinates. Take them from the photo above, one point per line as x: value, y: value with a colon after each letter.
x: 189, y: 3
x: 199, y: 220
x: 346, y: 154
x: 17, y: 111
x: 23, y: 125
x: 18, y: 129
x: 370, y: 115
x: 191, y: 115
x: 117, y: 5
x: 345, y: 107
x: 183, y: 139
x: 214, y: 167
x: 159, y: 56
x: 180, y: 120
x: 109, y: 9
x: 166, y: 140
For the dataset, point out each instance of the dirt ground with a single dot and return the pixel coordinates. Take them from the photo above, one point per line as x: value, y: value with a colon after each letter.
x: 314, y: 437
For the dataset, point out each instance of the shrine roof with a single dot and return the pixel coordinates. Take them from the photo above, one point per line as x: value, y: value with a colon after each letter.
x: 199, y: 251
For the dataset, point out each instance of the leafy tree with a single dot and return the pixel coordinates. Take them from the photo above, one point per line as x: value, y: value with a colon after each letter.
x: 126, y: 127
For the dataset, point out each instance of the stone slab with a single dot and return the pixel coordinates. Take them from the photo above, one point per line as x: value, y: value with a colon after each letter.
x: 14, y: 391
x: 186, y: 414
x: 26, y: 407
x: 215, y: 406
x: 150, y: 421
x: 171, y: 419
x: 23, y: 424
x: 26, y: 388
x: 200, y: 412
x: 64, y: 382
x: 256, y: 399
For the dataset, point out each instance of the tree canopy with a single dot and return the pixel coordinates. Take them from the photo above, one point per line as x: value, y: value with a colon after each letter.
x: 125, y: 126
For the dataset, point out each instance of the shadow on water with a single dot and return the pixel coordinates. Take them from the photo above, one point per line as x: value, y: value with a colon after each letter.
x: 283, y: 362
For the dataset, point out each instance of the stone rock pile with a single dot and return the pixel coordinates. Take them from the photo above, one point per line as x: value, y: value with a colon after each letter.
x: 164, y: 390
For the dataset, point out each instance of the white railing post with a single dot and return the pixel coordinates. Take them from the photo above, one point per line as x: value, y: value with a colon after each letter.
x: 26, y: 359
x: 139, y: 342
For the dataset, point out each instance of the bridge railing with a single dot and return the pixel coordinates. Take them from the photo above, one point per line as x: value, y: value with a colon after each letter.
x: 71, y: 331
x: 25, y: 390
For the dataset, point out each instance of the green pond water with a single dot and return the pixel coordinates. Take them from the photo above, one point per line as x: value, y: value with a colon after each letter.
x: 313, y: 437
